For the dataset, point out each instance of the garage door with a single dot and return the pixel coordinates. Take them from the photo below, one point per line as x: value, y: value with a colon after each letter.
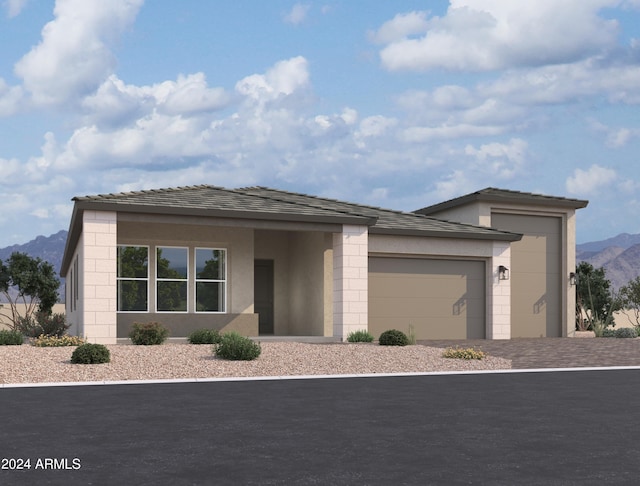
x: 535, y: 274
x: 441, y: 299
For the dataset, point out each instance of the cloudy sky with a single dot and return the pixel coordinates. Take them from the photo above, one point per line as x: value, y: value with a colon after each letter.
x: 396, y: 104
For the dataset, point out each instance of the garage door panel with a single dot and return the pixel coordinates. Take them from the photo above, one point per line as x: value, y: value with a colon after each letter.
x: 440, y: 299
x: 536, y: 261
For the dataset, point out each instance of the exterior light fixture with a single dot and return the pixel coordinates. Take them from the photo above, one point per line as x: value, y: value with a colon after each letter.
x: 503, y: 272
x: 572, y: 278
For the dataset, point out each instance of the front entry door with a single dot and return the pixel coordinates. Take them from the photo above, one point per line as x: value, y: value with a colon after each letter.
x: 263, y: 295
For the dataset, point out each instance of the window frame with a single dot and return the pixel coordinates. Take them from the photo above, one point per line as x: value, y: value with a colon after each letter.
x: 158, y: 280
x: 119, y: 279
x: 223, y: 281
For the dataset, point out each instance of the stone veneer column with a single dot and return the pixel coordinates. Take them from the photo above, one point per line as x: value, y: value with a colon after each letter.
x: 99, y: 283
x: 350, y: 280
x: 499, y: 315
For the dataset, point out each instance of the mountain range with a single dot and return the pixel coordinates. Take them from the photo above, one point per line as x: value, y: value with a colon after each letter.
x: 620, y: 255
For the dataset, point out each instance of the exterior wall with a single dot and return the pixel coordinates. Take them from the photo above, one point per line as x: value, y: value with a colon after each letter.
x: 350, y: 280
x: 74, y: 302
x: 238, y: 242
x: 498, y: 303
x: 308, y: 283
x: 302, y: 280
x: 274, y: 245
x: 478, y: 214
x: 97, y: 278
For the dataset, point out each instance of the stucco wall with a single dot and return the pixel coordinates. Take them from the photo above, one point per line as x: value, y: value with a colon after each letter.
x: 238, y: 243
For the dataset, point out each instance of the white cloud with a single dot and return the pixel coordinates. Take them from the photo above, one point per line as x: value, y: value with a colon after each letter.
x: 14, y: 7
x: 481, y: 35
x: 297, y: 14
x: 73, y: 57
x: 400, y: 27
x: 282, y: 79
x: 501, y: 160
x: 11, y: 98
x: 585, y: 182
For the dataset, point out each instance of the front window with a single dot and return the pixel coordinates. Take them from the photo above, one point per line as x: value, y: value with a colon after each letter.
x: 171, y: 279
x: 210, y: 279
x: 133, y: 278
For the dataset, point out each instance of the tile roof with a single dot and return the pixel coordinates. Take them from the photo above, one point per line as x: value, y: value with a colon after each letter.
x: 492, y: 194
x: 388, y: 221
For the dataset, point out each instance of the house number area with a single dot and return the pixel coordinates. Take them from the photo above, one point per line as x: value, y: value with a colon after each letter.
x: 50, y: 463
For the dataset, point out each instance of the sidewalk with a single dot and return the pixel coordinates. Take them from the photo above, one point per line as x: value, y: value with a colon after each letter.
x: 554, y: 352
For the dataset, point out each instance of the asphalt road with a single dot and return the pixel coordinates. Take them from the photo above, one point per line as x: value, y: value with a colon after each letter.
x: 552, y: 428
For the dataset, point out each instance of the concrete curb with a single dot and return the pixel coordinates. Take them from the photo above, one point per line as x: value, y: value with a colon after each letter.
x: 311, y: 377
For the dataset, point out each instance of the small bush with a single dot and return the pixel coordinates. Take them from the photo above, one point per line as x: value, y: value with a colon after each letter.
x: 89, y: 353
x: 148, y: 333
x: 42, y: 323
x: 235, y: 347
x: 463, y: 353
x: 204, y: 336
x: 608, y: 333
x: 626, y: 332
x: 10, y: 338
x: 393, y: 337
x: 43, y: 341
x: 360, y: 336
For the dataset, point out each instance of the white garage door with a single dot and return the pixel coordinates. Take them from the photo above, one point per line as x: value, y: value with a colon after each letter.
x: 441, y: 299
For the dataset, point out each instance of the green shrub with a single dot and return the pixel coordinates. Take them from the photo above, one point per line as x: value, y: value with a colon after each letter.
x: 235, y: 347
x: 626, y: 332
x: 608, y: 333
x: 393, y: 337
x: 89, y: 353
x: 43, y: 323
x: 463, y: 353
x: 43, y: 341
x: 360, y: 336
x: 10, y: 338
x: 204, y: 336
x: 148, y: 333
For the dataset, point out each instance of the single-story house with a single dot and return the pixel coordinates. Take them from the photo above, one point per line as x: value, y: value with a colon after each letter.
x: 269, y: 262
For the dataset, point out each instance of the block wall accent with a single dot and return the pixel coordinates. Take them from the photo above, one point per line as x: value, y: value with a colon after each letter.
x: 98, y: 279
x: 499, y: 300
x: 350, y: 280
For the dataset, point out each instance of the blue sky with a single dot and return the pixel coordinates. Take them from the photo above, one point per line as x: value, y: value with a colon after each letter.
x: 395, y: 104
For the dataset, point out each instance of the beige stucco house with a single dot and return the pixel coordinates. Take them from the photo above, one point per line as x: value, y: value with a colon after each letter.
x: 268, y: 262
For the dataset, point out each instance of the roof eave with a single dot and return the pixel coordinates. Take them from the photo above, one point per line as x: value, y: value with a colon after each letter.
x: 497, y: 236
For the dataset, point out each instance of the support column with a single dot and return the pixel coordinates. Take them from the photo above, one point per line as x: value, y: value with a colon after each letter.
x: 350, y: 280
x: 99, y: 285
x: 499, y: 302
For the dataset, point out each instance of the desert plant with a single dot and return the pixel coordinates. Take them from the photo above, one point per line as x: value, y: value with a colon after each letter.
x: 148, y: 333
x: 360, y: 336
x: 89, y: 353
x: 608, y: 333
x: 463, y: 353
x: 626, y: 332
x: 42, y: 323
x: 411, y: 334
x: 236, y: 347
x: 43, y: 341
x: 204, y: 336
x: 393, y: 337
x: 10, y: 337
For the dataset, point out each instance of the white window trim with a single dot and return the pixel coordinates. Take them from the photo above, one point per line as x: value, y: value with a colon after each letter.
x: 196, y: 280
x: 148, y: 279
x: 157, y: 279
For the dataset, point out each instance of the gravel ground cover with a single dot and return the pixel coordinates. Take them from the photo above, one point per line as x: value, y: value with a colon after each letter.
x: 30, y: 364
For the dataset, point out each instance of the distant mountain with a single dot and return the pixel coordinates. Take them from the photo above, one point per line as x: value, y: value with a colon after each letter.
x: 623, y: 240
x: 619, y: 256
x: 48, y: 248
